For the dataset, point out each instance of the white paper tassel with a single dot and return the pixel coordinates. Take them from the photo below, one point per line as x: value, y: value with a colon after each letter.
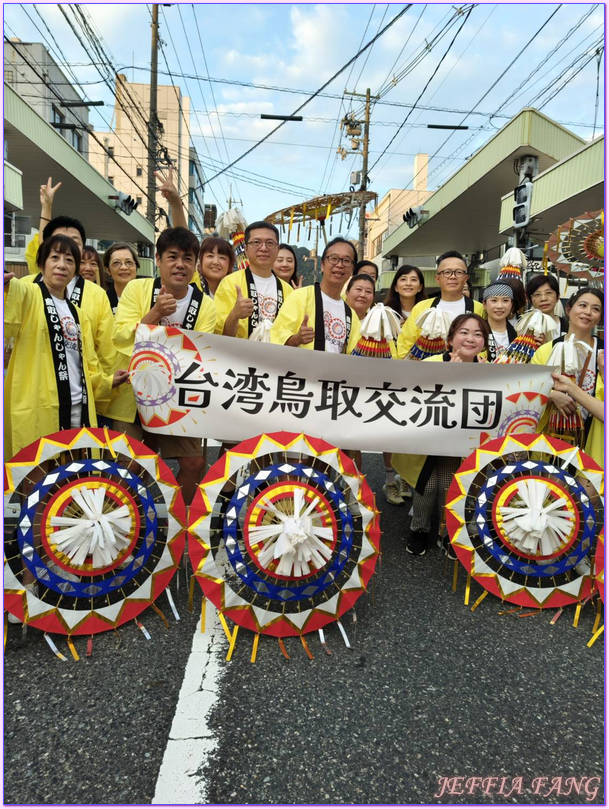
x: 262, y: 332
x: 533, y: 527
x: 229, y: 222
x: 434, y: 323
x: 569, y: 355
x: 542, y: 325
x: 381, y: 322
x: 513, y: 257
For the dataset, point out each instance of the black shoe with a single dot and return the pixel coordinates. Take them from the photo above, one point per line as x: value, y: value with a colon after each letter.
x: 448, y: 549
x: 417, y: 543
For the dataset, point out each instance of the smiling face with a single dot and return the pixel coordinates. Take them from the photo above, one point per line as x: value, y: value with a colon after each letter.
x: 452, y: 277
x: 544, y: 298
x: 261, y: 249
x: 89, y: 268
x: 214, y: 266
x: 284, y: 266
x: 337, y: 266
x: 468, y: 340
x: 176, y: 268
x: 585, y: 313
x: 58, y: 271
x: 122, y: 267
x: 408, y: 285
x: 498, y: 307
x: 360, y: 296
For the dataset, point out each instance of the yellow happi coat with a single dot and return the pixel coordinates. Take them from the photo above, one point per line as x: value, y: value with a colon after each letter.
x: 133, y: 305
x: 293, y: 311
x: 594, y: 440
x: 31, y: 404
x: 410, y: 331
x: 226, y: 297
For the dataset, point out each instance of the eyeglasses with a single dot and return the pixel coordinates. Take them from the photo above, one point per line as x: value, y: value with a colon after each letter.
x: 116, y: 265
x: 258, y: 243
x: 334, y: 260
x: 452, y: 273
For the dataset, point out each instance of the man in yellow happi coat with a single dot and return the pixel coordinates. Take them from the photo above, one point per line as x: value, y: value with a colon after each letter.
x: 451, y: 275
x: 170, y: 300
x: 316, y: 317
x: 247, y: 297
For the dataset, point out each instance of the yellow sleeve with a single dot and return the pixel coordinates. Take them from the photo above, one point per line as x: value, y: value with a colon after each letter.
x: 101, y: 380
x: 225, y: 298
x: 542, y: 355
x: 479, y: 309
x: 206, y: 320
x: 128, y: 315
x: 16, y: 298
x: 409, y: 333
x: 31, y: 252
x: 291, y: 315
x: 101, y: 327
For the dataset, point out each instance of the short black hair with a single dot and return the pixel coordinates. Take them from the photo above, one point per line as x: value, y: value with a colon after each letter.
x: 259, y: 225
x: 339, y: 240
x: 60, y: 243
x: 539, y: 280
x: 365, y: 263
x: 63, y: 222
x: 450, y: 254
x: 224, y: 248
x: 182, y: 238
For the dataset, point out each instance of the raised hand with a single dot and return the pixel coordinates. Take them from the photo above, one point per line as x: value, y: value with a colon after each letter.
x: 167, y: 186
x: 298, y: 284
x: 243, y: 306
x: 305, y: 333
x: 48, y: 191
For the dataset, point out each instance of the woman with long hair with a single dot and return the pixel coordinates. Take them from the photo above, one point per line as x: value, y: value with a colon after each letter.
x: 407, y: 288
x: 286, y: 265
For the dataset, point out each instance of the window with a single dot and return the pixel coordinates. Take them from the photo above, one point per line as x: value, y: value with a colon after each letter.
x: 111, y: 180
x: 110, y: 151
x: 138, y: 200
x: 138, y: 171
x: 77, y: 140
x: 9, y: 76
x: 56, y: 116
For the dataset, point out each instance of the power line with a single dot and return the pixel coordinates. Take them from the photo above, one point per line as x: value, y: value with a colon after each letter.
x: 330, y: 80
x: 428, y: 82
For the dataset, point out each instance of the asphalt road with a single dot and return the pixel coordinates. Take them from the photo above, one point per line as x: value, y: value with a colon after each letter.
x: 429, y: 691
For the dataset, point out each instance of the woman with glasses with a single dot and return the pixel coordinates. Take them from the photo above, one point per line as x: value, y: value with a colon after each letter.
x: 121, y: 263
x: 543, y: 293
x: 316, y: 317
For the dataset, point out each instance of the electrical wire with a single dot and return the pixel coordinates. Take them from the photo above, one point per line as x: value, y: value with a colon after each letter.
x: 304, y: 104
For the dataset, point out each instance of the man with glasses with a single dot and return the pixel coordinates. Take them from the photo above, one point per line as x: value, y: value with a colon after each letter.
x: 451, y: 275
x: 316, y: 317
x: 245, y: 298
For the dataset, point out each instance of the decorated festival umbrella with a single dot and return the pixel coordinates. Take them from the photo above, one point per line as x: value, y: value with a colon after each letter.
x: 94, y: 529
x: 577, y: 247
x: 523, y: 514
x: 380, y: 326
x: 284, y: 535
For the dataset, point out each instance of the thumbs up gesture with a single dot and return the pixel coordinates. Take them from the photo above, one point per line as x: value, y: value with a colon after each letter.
x: 165, y: 304
x: 305, y: 333
x: 243, y: 306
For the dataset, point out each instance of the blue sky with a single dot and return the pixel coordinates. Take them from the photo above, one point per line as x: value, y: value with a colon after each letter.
x: 300, y: 46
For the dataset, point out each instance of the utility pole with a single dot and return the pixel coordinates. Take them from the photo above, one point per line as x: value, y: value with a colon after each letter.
x: 351, y: 126
x: 153, y: 117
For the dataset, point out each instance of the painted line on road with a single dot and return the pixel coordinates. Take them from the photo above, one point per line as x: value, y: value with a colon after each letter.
x: 191, y: 741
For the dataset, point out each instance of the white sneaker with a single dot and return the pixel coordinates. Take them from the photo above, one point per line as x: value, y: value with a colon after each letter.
x: 392, y: 494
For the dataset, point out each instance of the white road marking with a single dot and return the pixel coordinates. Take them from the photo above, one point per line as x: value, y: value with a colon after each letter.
x: 191, y: 741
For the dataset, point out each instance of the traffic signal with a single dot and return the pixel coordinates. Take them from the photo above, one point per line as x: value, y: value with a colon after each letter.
x: 415, y: 216
x: 125, y: 202
x: 522, y: 208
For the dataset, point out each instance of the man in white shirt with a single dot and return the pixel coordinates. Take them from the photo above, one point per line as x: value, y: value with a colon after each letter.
x: 247, y: 297
x: 451, y: 275
x: 316, y: 317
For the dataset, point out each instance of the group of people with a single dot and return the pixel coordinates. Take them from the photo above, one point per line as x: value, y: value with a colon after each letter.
x: 72, y: 324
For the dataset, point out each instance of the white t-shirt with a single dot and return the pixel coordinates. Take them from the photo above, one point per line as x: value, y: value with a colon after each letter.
x: 335, y: 326
x: 177, y: 318
x: 453, y: 308
x: 70, y: 341
x: 501, y: 339
x: 405, y: 314
x: 267, y: 296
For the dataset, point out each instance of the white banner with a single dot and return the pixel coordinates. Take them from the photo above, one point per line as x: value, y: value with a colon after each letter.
x: 193, y: 384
